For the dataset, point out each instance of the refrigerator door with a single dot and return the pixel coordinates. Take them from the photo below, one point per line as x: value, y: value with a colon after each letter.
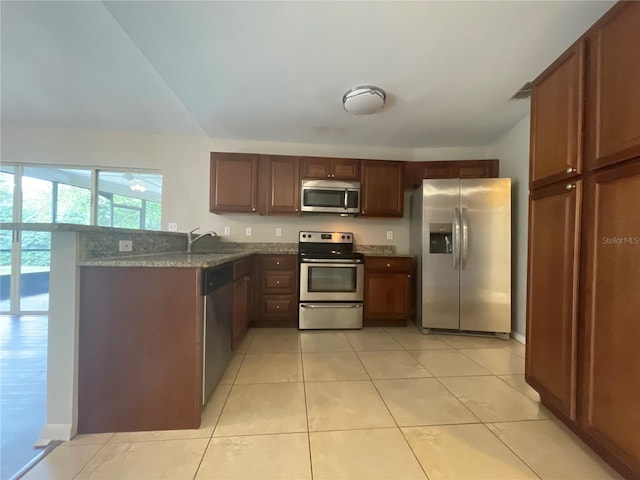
x: 485, y: 255
x: 441, y: 233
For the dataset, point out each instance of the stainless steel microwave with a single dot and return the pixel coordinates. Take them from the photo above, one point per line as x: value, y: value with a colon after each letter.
x: 330, y: 196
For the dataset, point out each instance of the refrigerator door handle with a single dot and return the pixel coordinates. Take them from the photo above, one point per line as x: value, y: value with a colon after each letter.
x: 456, y: 238
x: 465, y: 240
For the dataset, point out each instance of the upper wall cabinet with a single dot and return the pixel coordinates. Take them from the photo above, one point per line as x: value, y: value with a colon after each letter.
x: 249, y: 183
x: 333, y: 168
x: 234, y: 183
x: 415, y: 172
x: 614, y: 87
x: 382, y: 192
x: 557, y: 118
x: 283, y: 184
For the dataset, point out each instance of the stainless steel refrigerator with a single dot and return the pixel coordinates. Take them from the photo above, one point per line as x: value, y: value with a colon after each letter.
x: 461, y: 236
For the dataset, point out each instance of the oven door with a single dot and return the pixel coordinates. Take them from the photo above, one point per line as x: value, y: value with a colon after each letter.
x: 328, y: 281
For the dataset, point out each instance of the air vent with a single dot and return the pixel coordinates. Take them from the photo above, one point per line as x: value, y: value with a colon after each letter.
x: 524, y: 92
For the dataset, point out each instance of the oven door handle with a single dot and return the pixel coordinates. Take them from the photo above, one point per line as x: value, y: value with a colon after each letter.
x: 346, y: 199
x: 329, y: 262
x: 330, y: 305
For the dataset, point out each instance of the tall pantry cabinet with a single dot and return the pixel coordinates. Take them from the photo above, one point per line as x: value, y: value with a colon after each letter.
x: 583, y: 302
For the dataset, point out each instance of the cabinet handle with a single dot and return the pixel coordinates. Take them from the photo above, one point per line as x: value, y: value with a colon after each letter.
x: 246, y: 279
x: 388, y: 265
x: 408, y: 276
x: 328, y: 176
x: 253, y: 209
x: 277, y: 263
x: 277, y: 282
x: 570, y: 186
x: 277, y: 307
x: 571, y: 170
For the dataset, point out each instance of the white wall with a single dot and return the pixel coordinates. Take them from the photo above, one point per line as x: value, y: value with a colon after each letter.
x: 513, y: 151
x: 184, y: 162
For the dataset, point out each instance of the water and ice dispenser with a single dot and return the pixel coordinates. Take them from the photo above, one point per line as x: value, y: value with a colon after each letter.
x: 440, y: 238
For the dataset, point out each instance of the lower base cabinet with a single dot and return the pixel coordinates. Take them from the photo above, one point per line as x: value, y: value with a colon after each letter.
x: 388, y: 290
x: 140, y: 349
x: 277, y: 293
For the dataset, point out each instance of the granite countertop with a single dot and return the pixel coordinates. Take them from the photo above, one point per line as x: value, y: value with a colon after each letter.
x: 172, y: 259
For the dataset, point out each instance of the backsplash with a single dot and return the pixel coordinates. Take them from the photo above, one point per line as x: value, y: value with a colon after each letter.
x: 105, y: 244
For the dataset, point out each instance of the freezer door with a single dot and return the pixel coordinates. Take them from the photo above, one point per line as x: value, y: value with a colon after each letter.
x: 440, y: 254
x: 485, y: 255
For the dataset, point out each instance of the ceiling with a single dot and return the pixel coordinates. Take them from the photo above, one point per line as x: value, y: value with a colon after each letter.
x: 276, y: 71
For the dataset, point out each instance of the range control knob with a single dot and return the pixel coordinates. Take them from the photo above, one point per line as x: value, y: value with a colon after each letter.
x: 348, y: 237
x: 304, y: 235
x: 343, y: 237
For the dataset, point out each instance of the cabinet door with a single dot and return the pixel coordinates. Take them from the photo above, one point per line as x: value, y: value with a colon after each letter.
x: 386, y: 296
x: 233, y: 186
x: 611, y: 360
x: 382, y: 193
x: 240, y: 310
x: 478, y: 168
x: 283, y: 184
x: 316, y: 167
x: 557, y: 118
x: 432, y: 170
x: 345, y: 169
x: 554, y: 233
x: 614, y: 113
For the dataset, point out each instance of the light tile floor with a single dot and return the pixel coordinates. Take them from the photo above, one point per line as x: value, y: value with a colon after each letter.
x: 372, y: 404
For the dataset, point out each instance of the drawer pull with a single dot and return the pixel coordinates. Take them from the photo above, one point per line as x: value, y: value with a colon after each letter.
x: 570, y: 186
x: 571, y: 170
x: 388, y: 265
x: 277, y: 263
x: 277, y: 282
x: 277, y: 307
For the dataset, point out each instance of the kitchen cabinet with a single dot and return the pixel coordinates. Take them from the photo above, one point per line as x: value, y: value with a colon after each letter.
x: 258, y: 184
x: 614, y: 96
x: 243, y: 288
x: 415, y: 172
x: 584, y: 264
x: 277, y: 302
x: 333, y: 168
x: 282, y: 188
x: 610, y: 376
x: 140, y: 349
x: 233, y: 183
x: 554, y: 253
x: 388, y: 288
x: 381, y: 191
x: 557, y: 119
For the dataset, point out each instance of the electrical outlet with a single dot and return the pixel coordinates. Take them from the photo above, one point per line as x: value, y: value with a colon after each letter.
x: 278, y: 232
x: 125, y: 246
x: 248, y: 232
x: 227, y: 231
x: 172, y: 226
x: 389, y: 234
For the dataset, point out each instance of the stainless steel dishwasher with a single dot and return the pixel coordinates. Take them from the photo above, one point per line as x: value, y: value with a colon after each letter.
x: 217, y: 289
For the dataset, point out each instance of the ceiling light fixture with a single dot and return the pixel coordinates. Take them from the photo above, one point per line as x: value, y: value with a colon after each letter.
x: 136, y: 187
x: 364, y: 100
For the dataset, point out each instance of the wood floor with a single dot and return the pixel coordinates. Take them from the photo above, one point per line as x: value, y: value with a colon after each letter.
x: 23, y: 372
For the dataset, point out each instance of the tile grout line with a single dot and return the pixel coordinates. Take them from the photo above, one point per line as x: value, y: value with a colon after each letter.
x: 90, y: 459
x: 306, y: 408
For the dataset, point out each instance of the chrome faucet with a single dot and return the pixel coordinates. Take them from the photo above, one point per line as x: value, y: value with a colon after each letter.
x: 191, y: 240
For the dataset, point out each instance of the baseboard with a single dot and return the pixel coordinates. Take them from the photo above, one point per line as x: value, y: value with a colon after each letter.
x: 54, y: 431
x: 519, y: 338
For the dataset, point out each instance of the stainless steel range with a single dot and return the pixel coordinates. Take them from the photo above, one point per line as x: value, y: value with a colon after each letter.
x: 331, y: 281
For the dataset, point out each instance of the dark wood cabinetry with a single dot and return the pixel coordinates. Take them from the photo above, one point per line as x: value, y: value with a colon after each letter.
x: 415, y: 172
x: 610, y: 380
x: 557, y: 118
x: 333, y: 168
x: 282, y: 175
x: 554, y: 226
x: 243, y: 288
x: 382, y: 193
x: 582, y: 336
x: 277, y: 302
x: 259, y: 184
x: 614, y: 107
x: 234, y: 183
x: 140, y: 349
x: 387, y: 290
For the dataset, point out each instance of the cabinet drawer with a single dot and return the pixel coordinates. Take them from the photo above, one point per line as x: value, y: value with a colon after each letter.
x: 389, y: 264
x: 278, y: 282
x: 242, y: 268
x: 278, y: 262
x: 277, y: 306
